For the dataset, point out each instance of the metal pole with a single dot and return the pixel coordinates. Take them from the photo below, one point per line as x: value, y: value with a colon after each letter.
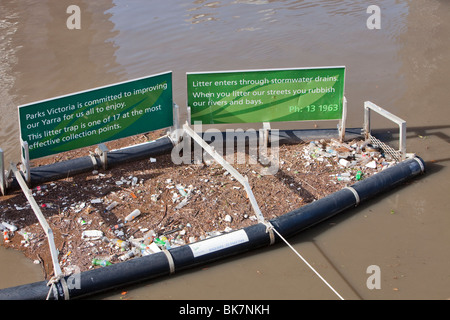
x: 2, y: 173
x: 343, y: 120
x: 26, y: 160
x: 37, y: 211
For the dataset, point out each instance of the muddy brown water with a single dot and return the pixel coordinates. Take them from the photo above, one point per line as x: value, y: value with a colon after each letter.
x: 402, y: 66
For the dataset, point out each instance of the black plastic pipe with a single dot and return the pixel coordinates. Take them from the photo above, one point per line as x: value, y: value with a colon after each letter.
x: 339, y: 201
x: 72, y: 167
x: 158, y: 264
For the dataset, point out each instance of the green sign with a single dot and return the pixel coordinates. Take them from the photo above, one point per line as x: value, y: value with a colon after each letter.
x: 266, y: 95
x: 98, y: 115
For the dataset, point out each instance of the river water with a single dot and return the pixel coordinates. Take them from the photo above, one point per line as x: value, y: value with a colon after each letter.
x: 402, y: 67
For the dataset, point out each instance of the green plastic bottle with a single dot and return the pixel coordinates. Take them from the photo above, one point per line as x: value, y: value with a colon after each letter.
x: 101, y: 262
x: 358, y: 175
x: 160, y: 241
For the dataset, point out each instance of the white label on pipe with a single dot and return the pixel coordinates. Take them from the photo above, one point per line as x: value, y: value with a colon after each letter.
x: 218, y: 243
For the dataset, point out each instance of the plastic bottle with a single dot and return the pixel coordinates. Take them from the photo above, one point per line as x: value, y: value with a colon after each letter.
x: 116, y: 226
x: 11, y: 227
x: 149, y: 236
x: 163, y: 242
x: 129, y: 254
x: 111, y: 205
x: 6, y: 236
x: 92, y: 234
x: 181, y: 190
x: 105, y: 240
x: 101, y: 262
x: 25, y: 235
x: 132, y: 215
x: 119, y: 243
x: 64, y: 259
x: 345, y: 176
x: 140, y: 246
x: 358, y: 175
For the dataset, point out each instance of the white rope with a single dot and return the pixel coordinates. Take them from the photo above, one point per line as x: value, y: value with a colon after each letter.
x: 269, y: 230
x: 170, y: 260
x: 306, y: 262
x: 358, y: 200
x: 49, y: 291
x: 53, y: 281
x: 422, y: 168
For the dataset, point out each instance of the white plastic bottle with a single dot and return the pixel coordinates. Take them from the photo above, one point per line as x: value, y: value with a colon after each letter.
x: 112, y: 205
x: 132, y: 215
x: 11, y: 227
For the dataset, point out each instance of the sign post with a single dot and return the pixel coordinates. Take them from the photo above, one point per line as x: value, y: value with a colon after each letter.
x: 98, y: 115
x: 271, y: 95
x: 2, y: 173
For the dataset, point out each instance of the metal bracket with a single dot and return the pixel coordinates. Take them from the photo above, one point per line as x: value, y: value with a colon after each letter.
x: 342, y: 122
x: 266, y: 130
x: 3, y: 182
x: 264, y: 143
x: 174, y: 133
x: 25, y: 164
x: 102, y: 152
x: 189, y: 115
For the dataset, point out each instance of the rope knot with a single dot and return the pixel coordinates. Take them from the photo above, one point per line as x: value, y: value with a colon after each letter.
x: 54, y: 279
x: 269, y: 230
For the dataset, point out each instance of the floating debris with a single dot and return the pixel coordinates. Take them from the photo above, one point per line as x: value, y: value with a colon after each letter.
x: 92, y: 235
x: 111, y: 206
x: 134, y: 214
x: 177, y: 202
